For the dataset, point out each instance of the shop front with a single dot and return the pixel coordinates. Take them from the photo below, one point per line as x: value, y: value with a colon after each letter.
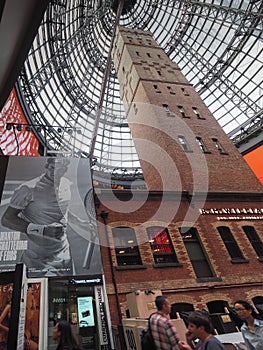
x: 82, y: 302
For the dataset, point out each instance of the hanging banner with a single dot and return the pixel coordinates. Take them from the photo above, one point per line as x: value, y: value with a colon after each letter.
x: 101, y: 315
x: 46, y: 220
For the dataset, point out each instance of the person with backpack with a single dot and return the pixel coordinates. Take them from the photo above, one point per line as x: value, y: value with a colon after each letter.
x: 163, y: 331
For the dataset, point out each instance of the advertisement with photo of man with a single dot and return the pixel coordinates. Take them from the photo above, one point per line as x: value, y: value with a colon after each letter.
x: 46, y: 220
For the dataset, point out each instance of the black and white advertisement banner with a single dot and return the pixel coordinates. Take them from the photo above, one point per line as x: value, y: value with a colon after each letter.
x: 48, y: 217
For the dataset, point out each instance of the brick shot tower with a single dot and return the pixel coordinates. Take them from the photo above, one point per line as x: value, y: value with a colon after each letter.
x: 195, y: 233
x: 179, y: 142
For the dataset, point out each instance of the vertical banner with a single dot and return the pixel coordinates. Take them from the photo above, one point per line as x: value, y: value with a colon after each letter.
x: 101, y: 316
x: 36, y: 314
x: 48, y: 218
x: 32, y: 316
x: 6, y: 291
x: 12, y: 308
x: 22, y: 282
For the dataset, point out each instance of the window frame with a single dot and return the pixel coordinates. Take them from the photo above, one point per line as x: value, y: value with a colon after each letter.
x: 203, y: 261
x: 120, y: 250
x: 218, y: 146
x: 197, y: 113
x: 231, y: 245
x: 256, y: 242
x: 201, y: 144
x: 170, y: 257
x: 184, y: 144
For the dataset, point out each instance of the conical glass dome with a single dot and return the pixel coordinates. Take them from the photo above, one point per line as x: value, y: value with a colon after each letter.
x: 217, y: 44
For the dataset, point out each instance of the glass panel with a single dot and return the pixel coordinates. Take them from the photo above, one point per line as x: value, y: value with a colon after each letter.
x: 161, y: 246
x: 195, y: 252
x: 230, y: 243
x: 126, y: 248
x: 202, y: 269
x: 254, y: 240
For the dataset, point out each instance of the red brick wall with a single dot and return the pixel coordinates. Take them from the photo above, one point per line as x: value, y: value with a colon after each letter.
x: 138, y: 59
x: 180, y: 282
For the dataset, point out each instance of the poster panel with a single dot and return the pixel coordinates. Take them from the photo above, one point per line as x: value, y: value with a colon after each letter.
x: 85, y: 312
x: 13, y: 287
x: 35, y: 320
x: 48, y: 217
x: 6, y: 291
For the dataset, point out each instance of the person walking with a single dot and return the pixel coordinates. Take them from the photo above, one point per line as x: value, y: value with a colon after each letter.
x: 62, y: 334
x: 163, y: 332
x: 252, y: 328
x: 199, y: 327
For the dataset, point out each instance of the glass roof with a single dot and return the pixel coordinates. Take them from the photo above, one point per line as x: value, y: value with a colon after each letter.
x: 218, y: 44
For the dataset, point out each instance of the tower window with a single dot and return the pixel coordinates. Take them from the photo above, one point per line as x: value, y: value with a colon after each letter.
x: 135, y: 108
x: 149, y: 41
x: 255, y: 241
x: 138, y: 53
x: 218, y: 146
x: 195, y: 252
x: 184, y: 144
x: 182, y: 111
x: 149, y: 55
x: 196, y: 112
x: 129, y: 38
x: 167, y: 110
x: 184, y: 91
x: 126, y: 247
x: 160, y: 242
x: 159, y: 72
x: 231, y: 244
x: 170, y: 90
x: 156, y: 89
x: 201, y: 145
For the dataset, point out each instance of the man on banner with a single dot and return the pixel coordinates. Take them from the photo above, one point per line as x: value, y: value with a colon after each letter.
x: 39, y: 208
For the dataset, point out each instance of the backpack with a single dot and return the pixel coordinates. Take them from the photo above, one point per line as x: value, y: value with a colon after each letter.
x: 147, y: 342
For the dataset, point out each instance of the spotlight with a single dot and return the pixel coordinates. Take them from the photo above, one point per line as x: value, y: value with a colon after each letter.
x: 28, y: 127
x: 19, y: 127
x: 59, y: 130
x: 38, y: 129
x: 8, y: 126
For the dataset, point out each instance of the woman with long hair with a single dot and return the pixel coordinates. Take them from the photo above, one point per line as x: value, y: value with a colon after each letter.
x: 252, y: 328
x: 62, y: 334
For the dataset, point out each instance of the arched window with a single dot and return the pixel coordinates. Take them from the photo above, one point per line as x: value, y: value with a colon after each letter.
x: 231, y: 244
x: 255, y: 241
x: 161, y: 245
x: 258, y: 302
x: 217, y: 306
x: 181, y: 310
x: 126, y: 246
